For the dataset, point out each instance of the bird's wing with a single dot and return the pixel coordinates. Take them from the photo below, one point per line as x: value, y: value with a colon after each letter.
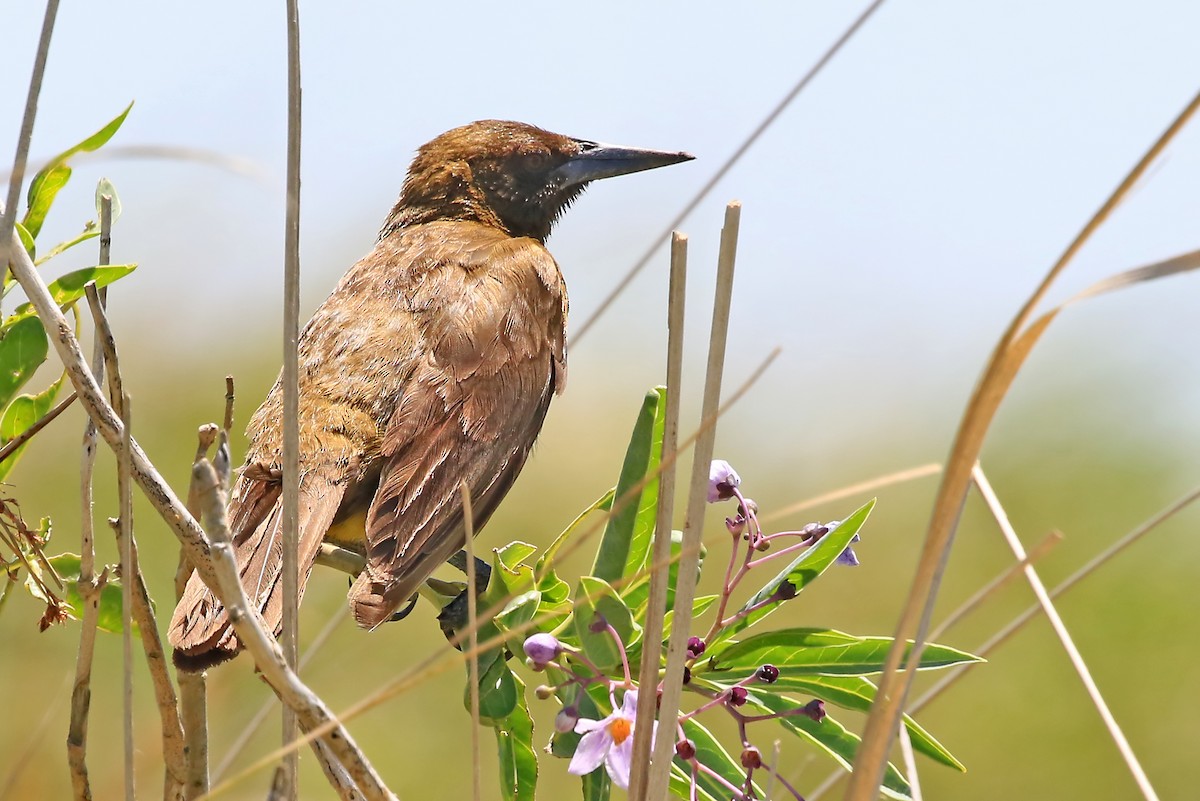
x: 494, y: 356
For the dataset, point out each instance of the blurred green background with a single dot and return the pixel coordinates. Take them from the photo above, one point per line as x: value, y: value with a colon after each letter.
x: 895, y: 217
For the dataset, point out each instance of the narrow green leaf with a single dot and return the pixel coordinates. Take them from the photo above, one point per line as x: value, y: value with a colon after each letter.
x: 90, y: 231
x: 857, y: 693
x: 23, y: 412
x: 803, y: 650
x: 93, y: 142
x: 26, y: 242
x: 803, y: 570
x: 69, y: 288
x: 681, y: 785
x: 829, y: 736
x: 593, y: 598
x: 546, y: 562
x: 518, y: 766
x: 23, y: 347
x: 43, y: 189
x: 627, y: 536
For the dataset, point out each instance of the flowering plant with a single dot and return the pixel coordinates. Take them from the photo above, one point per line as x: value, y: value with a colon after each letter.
x: 587, y: 643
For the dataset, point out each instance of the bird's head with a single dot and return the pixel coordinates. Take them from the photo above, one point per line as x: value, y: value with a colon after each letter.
x: 510, y: 175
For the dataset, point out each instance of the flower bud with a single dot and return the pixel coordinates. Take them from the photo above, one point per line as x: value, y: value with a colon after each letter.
x: 785, y: 591
x: 599, y: 624
x: 815, y: 709
x: 542, y: 648
x: 695, y: 647
x: 751, y: 758
x: 543, y: 692
x: 566, y: 719
x: 685, y: 749
x: 722, y: 481
x: 737, y: 696
x: 767, y: 674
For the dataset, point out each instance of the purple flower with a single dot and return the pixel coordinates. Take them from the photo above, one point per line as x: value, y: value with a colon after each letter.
x: 737, y: 696
x: 608, y: 742
x: 846, y: 557
x: 722, y: 480
x: 695, y: 647
x: 566, y: 719
x: 542, y: 648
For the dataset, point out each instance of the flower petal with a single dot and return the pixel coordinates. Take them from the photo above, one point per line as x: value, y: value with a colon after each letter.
x: 618, y: 762
x: 629, y: 705
x: 584, y: 725
x: 590, y: 752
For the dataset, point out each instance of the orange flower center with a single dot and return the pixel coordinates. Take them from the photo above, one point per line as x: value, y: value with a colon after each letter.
x: 620, y: 729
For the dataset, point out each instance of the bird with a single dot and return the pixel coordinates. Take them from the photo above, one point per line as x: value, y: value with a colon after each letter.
x: 431, y: 364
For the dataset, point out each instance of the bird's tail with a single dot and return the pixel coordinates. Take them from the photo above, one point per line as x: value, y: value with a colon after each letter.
x: 200, y: 631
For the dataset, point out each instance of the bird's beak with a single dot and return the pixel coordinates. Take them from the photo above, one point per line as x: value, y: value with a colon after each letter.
x: 596, y: 161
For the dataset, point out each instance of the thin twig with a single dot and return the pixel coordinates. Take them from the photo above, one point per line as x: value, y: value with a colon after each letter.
x: 38, y: 425
x: 661, y: 555
x: 685, y: 582
x: 311, y: 711
x: 125, y: 494
x: 473, y: 640
x: 1064, y: 637
x: 870, y: 485
x: 89, y: 587
x: 8, y: 215
x: 291, y: 385
x: 914, y: 619
x: 236, y: 747
x: 721, y: 172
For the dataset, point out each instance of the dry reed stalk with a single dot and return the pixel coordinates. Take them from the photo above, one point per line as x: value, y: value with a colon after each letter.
x: 660, y: 557
x: 473, y: 640
x: 1003, y: 365
x: 125, y: 494
x: 291, y: 386
x: 685, y: 582
x: 1064, y: 636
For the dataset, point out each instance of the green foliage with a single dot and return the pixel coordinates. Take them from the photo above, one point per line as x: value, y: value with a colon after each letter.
x: 599, y: 630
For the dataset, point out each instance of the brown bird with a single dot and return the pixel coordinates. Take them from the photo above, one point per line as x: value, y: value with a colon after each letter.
x: 432, y: 363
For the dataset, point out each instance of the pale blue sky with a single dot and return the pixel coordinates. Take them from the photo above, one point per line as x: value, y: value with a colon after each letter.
x: 895, y: 216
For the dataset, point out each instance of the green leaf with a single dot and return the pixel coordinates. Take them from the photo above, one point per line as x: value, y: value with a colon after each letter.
x: 597, y: 786
x: 637, y: 593
x: 51, y: 178
x: 109, y: 618
x: 26, y: 242
x: 588, y: 704
x: 546, y: 562
x: 90, y: 231
x: 710, y: 751
x: 803, y: 650
x: 69, y: 288
x: 23, y: 347
x: 518, y: 767
x: 23, y: 412
x: 627, y: 536
x: 829, y: 736
x: 105, y: 187
x: 42, y: 191
x: 596, y: 597
x: 681, y: 785
x: 803, y: 570
x: 497, y: 686
x: 857, y: 693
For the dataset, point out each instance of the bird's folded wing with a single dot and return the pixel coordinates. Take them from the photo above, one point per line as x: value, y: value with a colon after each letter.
x: 495, y: 356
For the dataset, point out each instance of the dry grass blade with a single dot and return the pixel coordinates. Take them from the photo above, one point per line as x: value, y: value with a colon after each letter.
x: 910, y: 764
x: 870, y: 485
x: 1006, y: 359
x: 660, y: 557
x: 728, y: 165
x: 693, y: 528
x: 1064, y: 636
